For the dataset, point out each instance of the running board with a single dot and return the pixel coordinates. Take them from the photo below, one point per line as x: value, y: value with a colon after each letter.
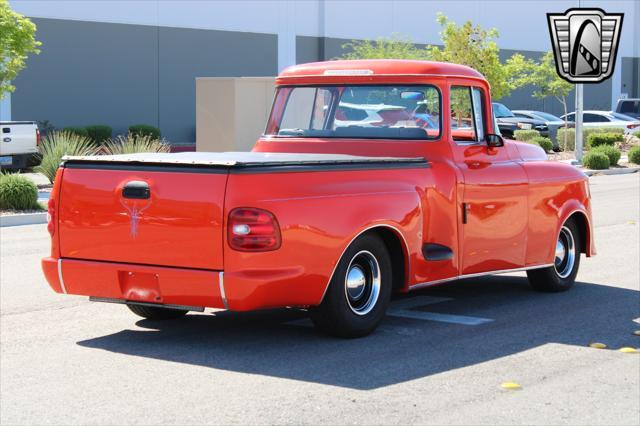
x: 153, y: 305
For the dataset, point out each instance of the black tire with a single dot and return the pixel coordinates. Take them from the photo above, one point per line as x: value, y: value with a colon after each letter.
x: 559, y: 277
x: 156, y: 313
x: 341, y: 315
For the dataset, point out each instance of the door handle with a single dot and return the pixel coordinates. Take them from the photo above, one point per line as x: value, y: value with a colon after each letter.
x: 136, y: 189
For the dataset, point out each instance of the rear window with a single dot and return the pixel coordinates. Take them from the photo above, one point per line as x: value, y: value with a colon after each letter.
x: 384, y: 112
x: 630, y: 107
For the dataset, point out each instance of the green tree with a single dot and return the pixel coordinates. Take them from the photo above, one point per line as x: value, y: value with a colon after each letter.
x: 395, y: 47
x: 17, y: 40
x: 465, y: 44
x: 543, y: 76
x: 476, y: 47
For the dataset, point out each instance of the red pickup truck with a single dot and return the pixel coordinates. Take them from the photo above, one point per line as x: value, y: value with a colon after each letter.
x: 371, y: 177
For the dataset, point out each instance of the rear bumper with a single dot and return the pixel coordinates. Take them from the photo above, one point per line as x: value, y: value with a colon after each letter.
x: 18, y: 161
x: 237, y: 291
x: 136, y: 283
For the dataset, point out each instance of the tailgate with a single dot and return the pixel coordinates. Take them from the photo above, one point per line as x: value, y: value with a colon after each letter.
x: 161, y: 215
x: 18, y: 138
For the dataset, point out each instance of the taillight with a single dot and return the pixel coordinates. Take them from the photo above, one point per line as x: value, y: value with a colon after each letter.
x: 37, y: 136
x: 51, y: 216
x: 632, y: 125
x: 252, y: 229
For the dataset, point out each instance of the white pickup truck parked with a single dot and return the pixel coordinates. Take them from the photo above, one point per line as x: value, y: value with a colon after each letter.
x: 19, y: 141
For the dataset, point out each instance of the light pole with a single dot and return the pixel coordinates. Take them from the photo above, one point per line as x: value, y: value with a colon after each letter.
x: 579, y: 103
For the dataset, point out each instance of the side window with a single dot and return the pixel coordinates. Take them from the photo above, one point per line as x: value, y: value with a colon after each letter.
x: 463, y: 123
x: 594, y: 118
x: 478, y: 112
x: 571, y: 117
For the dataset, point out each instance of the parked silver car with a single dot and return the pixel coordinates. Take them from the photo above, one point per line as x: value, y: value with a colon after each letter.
x: 553, y: 122
x: 607, y: 119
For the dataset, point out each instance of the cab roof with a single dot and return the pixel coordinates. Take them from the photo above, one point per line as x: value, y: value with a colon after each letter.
x: 367, y: 70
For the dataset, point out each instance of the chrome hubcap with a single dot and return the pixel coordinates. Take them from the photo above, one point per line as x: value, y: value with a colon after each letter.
x: 560, y: 252
x: 362, y: 283
x: 565, y: 253
x: 356, y: 283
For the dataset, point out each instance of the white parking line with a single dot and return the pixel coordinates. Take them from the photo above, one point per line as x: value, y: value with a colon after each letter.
x: 435, y: 316
x: 403, y: 308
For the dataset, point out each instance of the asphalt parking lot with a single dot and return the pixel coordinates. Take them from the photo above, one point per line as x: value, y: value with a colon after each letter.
x: 438, y: 358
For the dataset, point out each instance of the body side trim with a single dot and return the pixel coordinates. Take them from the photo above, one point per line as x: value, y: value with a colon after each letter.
x: 479, y: 274
x: 221, y: 285
x: 64, y: 289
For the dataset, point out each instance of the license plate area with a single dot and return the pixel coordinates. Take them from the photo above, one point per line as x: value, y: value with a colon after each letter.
x: 6, y: 160
x: 140, y: 286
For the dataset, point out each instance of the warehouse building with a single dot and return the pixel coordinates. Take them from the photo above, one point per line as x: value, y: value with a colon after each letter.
x: 126, y: 62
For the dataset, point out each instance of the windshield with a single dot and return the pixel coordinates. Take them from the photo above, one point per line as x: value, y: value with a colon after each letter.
x: 501, y: 111
x: 386, y: 112
x: 546, y: 116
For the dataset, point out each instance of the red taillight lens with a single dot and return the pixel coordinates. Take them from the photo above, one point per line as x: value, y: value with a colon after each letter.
x: 253, y: 230
x: 51, y: 216
x: 37, y: 136
x: 632, y: 125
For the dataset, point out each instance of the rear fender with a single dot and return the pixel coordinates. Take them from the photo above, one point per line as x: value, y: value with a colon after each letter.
x: 316, y: 231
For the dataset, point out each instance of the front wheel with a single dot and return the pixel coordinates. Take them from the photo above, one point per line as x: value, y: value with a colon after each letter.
x: 156, y: 313
x: 359, y: 292
x: 562, y: 275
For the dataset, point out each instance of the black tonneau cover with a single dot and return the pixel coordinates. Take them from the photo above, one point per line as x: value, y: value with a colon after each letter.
x: 237, y: 161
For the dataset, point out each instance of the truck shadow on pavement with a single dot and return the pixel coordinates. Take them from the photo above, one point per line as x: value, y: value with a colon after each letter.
x: 269, y: 343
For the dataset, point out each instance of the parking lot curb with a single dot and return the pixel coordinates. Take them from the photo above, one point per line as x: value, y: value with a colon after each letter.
x: 611, y: 172
x: 23, y: 219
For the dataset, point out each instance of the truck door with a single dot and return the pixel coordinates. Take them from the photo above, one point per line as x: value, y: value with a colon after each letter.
x: 493, y: 210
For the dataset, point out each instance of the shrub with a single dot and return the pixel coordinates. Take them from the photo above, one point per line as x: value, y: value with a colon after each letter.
x: 610, y: 151
x: 570, y: 144
x: 18, y: 193
x: 145, y: 130
x: 598, y: 139
x: 133, y: 143
x: 58, y: 144
x: 80, y: 131
x: 586, y: 132
x: 634, y: 155
x: 595, y: 160
x: 525, y: 135
x: 99, y: 133
x: 544, y: 143
x: 637, y: 134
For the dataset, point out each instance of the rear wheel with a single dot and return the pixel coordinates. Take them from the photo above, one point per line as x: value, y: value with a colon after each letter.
x: 562, y: 274
x: 359, y: 292
x: 156, y: 313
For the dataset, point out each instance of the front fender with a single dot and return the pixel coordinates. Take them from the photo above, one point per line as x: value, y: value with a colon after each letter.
x: 576, y: 207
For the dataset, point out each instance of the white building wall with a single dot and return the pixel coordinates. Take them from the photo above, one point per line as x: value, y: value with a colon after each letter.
x: 522, y: 23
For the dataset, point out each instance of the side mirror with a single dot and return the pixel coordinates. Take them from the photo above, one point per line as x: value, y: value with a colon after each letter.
x: 494, y: 141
